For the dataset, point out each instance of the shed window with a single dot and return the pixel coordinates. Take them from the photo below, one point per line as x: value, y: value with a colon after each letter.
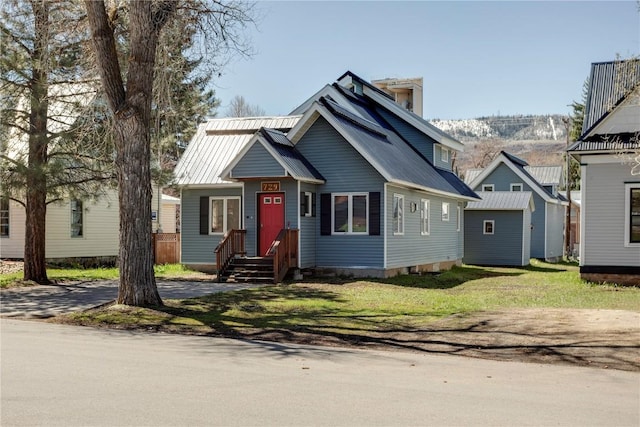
x: 425, y: 217
x: 445, y: 211
x: 487, y: 187
x: 516, y: 187
x: 398, y: 214
x: 224, y: 214
x: 349, y: 213
x: 77, y: 219
x: 4, y: 217
x: 632, y: 212
x: 488, y: 226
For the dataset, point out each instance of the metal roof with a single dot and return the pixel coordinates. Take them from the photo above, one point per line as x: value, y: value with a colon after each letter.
x: 295, y: 164
x: 393, y: 157
x: 503, y: 200
x: 546, y: 175
x: 622, y: 143
x: 471, y: 174
x: 609, y: 84
x: 216, y: 143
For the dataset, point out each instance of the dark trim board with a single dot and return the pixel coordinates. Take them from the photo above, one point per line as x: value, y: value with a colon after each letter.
x: 609, y: 269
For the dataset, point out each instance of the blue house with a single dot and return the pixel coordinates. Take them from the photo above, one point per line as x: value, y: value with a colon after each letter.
x: 610, y: 174
x: 497, y: 229
x: 352, y: 183
x: 510, y: 173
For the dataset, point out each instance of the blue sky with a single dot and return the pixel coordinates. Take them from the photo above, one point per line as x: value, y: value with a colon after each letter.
x: 477, y: 58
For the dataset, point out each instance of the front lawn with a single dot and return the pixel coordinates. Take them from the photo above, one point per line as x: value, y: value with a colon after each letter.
x: 405, y: 303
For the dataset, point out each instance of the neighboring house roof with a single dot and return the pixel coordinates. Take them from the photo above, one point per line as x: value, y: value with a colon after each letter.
x: 546, y: 175
x: 170, y: 199
x: 609, y: 84
x: 217, y: 142
x: 283, y: 151
x: 519, y: 167
x: 503, y: 200
x: 389, y: 154
x: 471, y: 174
x: 624, y: 143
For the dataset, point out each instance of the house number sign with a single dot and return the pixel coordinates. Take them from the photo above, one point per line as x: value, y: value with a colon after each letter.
x: 271, y: 186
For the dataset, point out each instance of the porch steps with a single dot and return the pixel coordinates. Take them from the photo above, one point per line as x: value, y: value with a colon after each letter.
x: 249, y: 270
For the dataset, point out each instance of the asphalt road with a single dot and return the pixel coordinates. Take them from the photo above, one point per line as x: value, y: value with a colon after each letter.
x: 63, y: 375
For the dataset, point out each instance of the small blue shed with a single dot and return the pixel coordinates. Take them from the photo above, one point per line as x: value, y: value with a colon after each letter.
x: 498, y: 228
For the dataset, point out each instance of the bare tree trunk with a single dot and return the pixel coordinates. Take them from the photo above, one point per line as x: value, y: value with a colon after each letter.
x: 132, y: 120
x: 36, y: 201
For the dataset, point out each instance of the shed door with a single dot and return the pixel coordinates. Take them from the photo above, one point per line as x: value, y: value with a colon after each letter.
x: 270, y: 219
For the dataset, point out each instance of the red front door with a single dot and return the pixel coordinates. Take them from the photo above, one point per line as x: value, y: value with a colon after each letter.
x: 270, y: 219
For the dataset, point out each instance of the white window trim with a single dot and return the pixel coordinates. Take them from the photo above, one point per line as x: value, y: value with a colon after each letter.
x: 349, y: 214
x: 627, y: 215
x: 484, y: 226
x: 459, y: 218
x: 444, y: 154
x: 398, y: 223
x: 425, y: 207
x: 224, y: 215
x: 446, y: 215
x: 488, y: 187
x: 517, y: 184
x: 308, y: 199
x: 80, y: 236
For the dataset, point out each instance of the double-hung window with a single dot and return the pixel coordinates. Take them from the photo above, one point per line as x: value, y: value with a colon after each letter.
x: 425, y: 217
x: 77, y: 219
x: 224, y: 214
x: 350, y: 213
x: 445, y: 211
x: 398, y: 214
x: 4, y: 217
x: 632, y: 214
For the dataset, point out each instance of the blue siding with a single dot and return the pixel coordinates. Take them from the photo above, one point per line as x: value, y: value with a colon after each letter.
x: 198, y: 248
x: 307, y: 228
x: 412, y: 248
x: 502, y: 177
x: 290, y: 189
x: 257, y: 162
x: 504, y: 247
x: 437, y: 160
x: 344, y: 171
x: 418, y: 140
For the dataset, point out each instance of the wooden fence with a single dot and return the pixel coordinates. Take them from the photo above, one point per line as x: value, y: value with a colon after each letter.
x: 166, y: 248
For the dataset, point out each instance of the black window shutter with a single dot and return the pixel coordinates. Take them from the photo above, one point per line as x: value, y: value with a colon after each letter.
x: 374, y: 214
x: 313, y: 204
x: 204, y: 215
x: 325, y: 214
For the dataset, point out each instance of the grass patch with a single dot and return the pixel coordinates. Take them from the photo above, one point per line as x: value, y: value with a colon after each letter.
x: 360, y: 308
x: 61, y: 275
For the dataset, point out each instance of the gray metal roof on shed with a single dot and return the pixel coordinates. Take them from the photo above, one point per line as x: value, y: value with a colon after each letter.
x: 609, y: 84
x: 503, y: 200
x: 217, y: 142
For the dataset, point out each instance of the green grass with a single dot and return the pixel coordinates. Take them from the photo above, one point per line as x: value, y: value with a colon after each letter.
x: 404, y: 303
x: 167, y: 271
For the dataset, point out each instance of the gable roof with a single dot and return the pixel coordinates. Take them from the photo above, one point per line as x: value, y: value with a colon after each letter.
x: 388, y: 154
x: 217, y: 142
x: 283, y: 151
x: 503, y: 200
x: 609, y: 84
x: 519, y: 167
x: 546, y: 175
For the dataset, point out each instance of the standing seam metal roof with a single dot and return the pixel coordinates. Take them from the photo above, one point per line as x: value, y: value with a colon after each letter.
x: 502, y: 200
